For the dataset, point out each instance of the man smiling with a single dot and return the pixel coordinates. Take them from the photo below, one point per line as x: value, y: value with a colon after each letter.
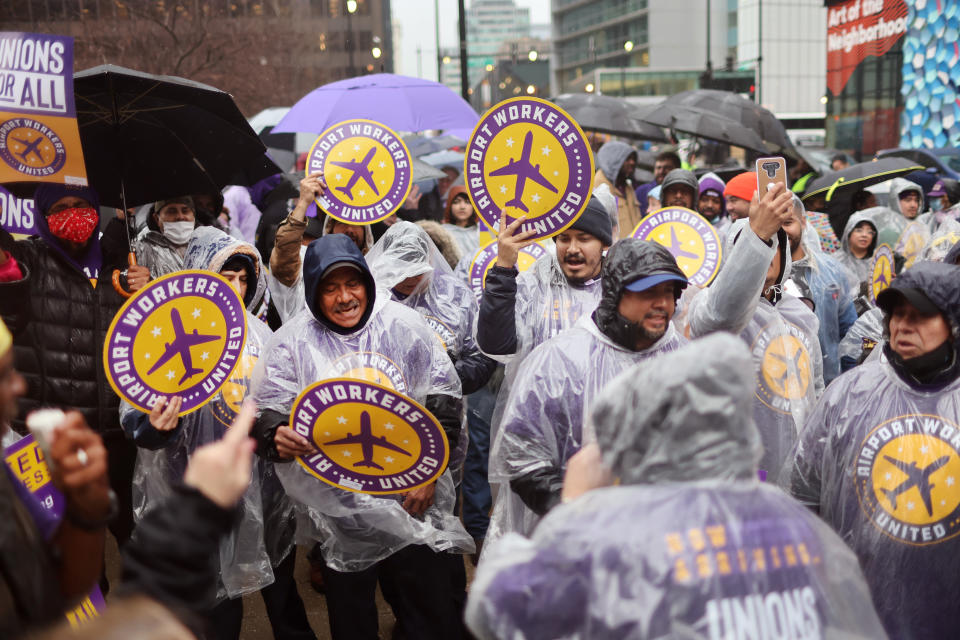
x: 349, y: 330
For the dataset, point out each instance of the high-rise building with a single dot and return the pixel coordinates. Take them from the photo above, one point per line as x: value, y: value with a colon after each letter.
x: 784, y: 42
x: 490, y: 24
x: 647, y: 49
x: 264, y: 52
x: 635, y: 47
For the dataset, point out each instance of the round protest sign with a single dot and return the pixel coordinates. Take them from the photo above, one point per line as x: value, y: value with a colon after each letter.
x: 784, y: 367
x: 912, y: 240
x: 689, y: 237
x: 369, y: 438
x: 881, y: 271
x: 181, y: 335
x: 527, y: 157
x: 486, y: 257
x: 368, y: 170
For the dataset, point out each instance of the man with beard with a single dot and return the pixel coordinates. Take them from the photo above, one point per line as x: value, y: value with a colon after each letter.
x: 710, y: 204
x: 543, y: 423
x: 747, y: 298
x: 664, y: 163
x: 519, y: 312
x: 680, y: 189
x: 350, y: 329
x: 824, y: 281
x: 738, y: 193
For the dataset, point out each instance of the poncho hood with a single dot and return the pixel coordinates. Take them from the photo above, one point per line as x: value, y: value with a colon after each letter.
x: 682, y: 416
x: 322, y: 254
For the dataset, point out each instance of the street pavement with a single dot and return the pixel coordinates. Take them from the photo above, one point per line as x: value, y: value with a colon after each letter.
x: 256, y: 626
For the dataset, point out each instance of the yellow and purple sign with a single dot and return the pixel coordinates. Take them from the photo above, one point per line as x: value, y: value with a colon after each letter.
x: 369, y: 438
x: 689, y: 237
x: 25, y: 459
x: 527, y: 157
x: 181, y: 335
x: 39, y: 138
x: 882, y: 271
x: 906, y: 477
x: 486, y: 257
x: 785, y: 375
x: 368, y: 170
x: 913, y: 239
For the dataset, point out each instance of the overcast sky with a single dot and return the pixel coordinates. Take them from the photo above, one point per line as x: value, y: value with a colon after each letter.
x: 417, y: 24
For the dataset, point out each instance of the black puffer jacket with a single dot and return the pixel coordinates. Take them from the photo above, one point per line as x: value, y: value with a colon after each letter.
x: 59, y: 323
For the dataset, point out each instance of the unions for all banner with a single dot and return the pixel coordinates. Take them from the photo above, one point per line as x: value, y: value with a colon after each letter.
x: 39, y: 137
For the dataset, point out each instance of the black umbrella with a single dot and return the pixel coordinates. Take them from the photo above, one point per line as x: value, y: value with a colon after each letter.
x: 739, y: 109
x: 149, y: 137
x: 703, y: 124
x: 607, y: 114
x: 839, y: 187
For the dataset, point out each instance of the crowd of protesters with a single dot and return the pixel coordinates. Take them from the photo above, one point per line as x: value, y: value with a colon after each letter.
x: 630, y: 455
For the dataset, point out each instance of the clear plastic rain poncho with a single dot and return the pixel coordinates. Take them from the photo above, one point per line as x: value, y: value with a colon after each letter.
x: 824, y: 280
x: 859, y: 268
x: 782, y: 338
x: 262, y: 537
x: 694, y: 547
x: 866, y: 332
x: 546, y: 304
x: 543, y: 419
x: 449, y: 307
x: 879, y: 460
x: 941, y: 241
x: 394, y: 348
x: 935, y: 219
x: 156, y: 252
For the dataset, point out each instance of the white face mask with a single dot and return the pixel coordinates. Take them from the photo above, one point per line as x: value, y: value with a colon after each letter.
x: 178, y: 232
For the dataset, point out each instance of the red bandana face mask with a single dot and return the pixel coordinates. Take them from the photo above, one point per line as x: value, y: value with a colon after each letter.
x: 75, y: 225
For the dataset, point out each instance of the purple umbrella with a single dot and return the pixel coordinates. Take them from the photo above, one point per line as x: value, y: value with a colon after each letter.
x: 400, y: 102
